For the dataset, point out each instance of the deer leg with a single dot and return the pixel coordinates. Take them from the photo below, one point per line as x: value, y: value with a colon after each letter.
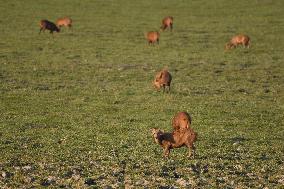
x: 247, y: 44
x: 40, y: 30
x: 191, y: 151
x: 166, y: 152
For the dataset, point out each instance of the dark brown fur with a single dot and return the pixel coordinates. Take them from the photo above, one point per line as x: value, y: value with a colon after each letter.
x: 176, y: 139
x: 153, y: 37
x: 162, y: 79
x: 181, y: 120
x: 47, y: 25
x: 167, y: 22
x: 238, y: 40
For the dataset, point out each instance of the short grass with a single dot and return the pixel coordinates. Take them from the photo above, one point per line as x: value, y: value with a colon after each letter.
x: 76, y: 109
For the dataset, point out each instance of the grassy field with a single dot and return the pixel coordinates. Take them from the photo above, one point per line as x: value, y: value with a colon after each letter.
x: 76, y: 108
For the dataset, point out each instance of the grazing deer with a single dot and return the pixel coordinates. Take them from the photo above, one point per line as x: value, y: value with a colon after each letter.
x: 47, y: 25
x: 238, y: 40
x: 162, y: 79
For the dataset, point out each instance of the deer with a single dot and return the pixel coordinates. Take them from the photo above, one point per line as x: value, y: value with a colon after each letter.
x: 153, y: 37
x: 176, y: 139
x: 65, y: 21
x: 163, y: 79
x: 182, y: 120
x: 47, y: 25
x: 167, y: 22
x: 238, y: 40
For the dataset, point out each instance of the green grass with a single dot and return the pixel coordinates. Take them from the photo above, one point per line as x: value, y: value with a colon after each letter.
x: 77, y: 108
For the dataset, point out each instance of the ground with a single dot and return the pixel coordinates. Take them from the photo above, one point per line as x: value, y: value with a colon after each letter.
x: 76, y: 107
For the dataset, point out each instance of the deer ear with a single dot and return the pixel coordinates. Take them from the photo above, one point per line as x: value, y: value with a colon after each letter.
x: 161, y: 74
x: 152, y: 130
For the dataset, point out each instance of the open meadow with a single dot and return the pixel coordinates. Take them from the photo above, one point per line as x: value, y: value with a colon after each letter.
x: 76, y: 107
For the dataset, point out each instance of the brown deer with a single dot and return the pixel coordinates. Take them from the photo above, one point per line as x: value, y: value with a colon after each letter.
x: 176, y: 139
x: 238, y: 40
x: 67, y: 22
x: 162, y: 79
x: 47, y: 25
x: 153, y: 37
x: 181, y: 120
x: 167, y: 22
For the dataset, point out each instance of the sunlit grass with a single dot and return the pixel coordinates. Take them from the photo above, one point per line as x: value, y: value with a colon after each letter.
x: 76, y: 108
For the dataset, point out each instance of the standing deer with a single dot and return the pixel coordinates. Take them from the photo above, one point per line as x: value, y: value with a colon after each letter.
x: 67, y: 22
x: 153, y: 37
x: 167, y: 22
